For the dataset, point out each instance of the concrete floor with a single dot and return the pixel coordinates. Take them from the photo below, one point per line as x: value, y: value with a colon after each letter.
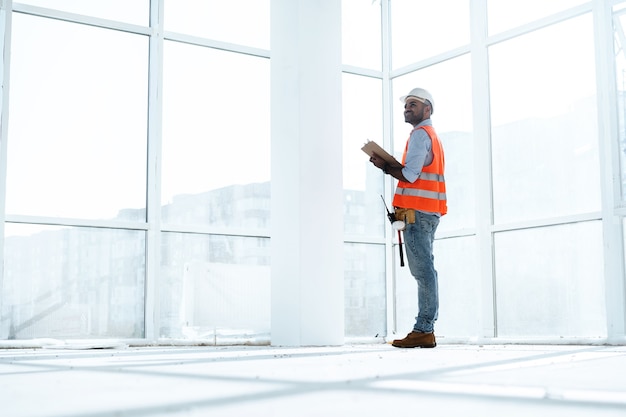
x: 359, y: 380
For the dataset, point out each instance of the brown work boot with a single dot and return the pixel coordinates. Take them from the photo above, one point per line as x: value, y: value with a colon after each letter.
x: 416, y: 339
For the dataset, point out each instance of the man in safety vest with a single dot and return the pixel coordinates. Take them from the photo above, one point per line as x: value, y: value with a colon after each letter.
x: 420, y: 201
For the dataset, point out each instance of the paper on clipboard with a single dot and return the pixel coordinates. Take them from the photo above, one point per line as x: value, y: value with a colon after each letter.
x: 372, y: 147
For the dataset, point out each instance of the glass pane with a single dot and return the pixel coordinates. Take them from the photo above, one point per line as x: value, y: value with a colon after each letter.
x: 365, y: 291
x: 78, y: 117
x: 460, y: 287
x: 619, y: 22
x: 544, y: 124
x: 216, y: 137
x: 361, y: 33
x: 549, y: 282
x: 363, y: 183
x: 244, y: 22
x: 456, y: 262
x: 72, y: 282
x: 508, y: 14
x: 421, y: 28
x: 215, y: 288
x: 129, y: 11
x: 450, y: 85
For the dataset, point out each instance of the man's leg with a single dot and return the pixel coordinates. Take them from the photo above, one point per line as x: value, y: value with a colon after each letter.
x: 419, y: 238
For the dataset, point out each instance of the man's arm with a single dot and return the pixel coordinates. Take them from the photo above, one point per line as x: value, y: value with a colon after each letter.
x: 419, y: 152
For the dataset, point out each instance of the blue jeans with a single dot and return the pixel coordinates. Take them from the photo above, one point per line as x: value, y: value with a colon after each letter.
x: 418, y: 243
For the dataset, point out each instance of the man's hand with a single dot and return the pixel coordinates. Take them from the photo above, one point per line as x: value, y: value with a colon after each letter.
x: 377, y: 161
x: 380, y: 163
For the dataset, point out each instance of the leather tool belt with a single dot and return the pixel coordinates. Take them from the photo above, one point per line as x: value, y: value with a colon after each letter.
x: 406, y: 215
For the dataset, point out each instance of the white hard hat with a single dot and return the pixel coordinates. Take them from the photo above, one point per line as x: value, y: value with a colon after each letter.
x: 421, y: 95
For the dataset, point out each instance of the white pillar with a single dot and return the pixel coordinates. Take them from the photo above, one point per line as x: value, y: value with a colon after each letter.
x: 307, y: 187
x: 483, y: 174
x: 5, y: 65
x: 615, y: 287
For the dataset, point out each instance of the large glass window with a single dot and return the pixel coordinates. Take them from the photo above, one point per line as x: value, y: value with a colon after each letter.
x: 72, y: 282
x: 215, y: 288
x: 361, y: 35
x: 549, y: 282
x: 364, y: 212
x: 130, y: 11
x: 421, y: 29
x: 365, y: 291
x: 244, y: 22
x: 505, y: 15
x: 77, y: 148
x: 78, y: 129
x: 544, y: 123
x: 450, y: 84
x: 216, y: 138
x: 460, y: 287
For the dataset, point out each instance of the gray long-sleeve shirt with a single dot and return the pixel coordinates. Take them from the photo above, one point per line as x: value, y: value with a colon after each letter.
x: 419, y: 154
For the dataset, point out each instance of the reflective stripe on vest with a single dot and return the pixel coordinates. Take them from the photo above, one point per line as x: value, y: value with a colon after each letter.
x: 428, y: 192
x: 416, y: 192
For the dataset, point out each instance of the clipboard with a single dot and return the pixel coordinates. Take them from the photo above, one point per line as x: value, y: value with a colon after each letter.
x: 372, y: 147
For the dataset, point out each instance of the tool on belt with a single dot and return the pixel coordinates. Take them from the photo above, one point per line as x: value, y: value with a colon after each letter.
x: 399, y: 225
x: 406, y: 216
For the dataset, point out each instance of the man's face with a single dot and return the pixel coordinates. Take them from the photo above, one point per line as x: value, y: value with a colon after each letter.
x: 414, y: 111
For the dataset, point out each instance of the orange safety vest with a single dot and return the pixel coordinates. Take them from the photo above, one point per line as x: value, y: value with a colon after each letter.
x: 428, y: 192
